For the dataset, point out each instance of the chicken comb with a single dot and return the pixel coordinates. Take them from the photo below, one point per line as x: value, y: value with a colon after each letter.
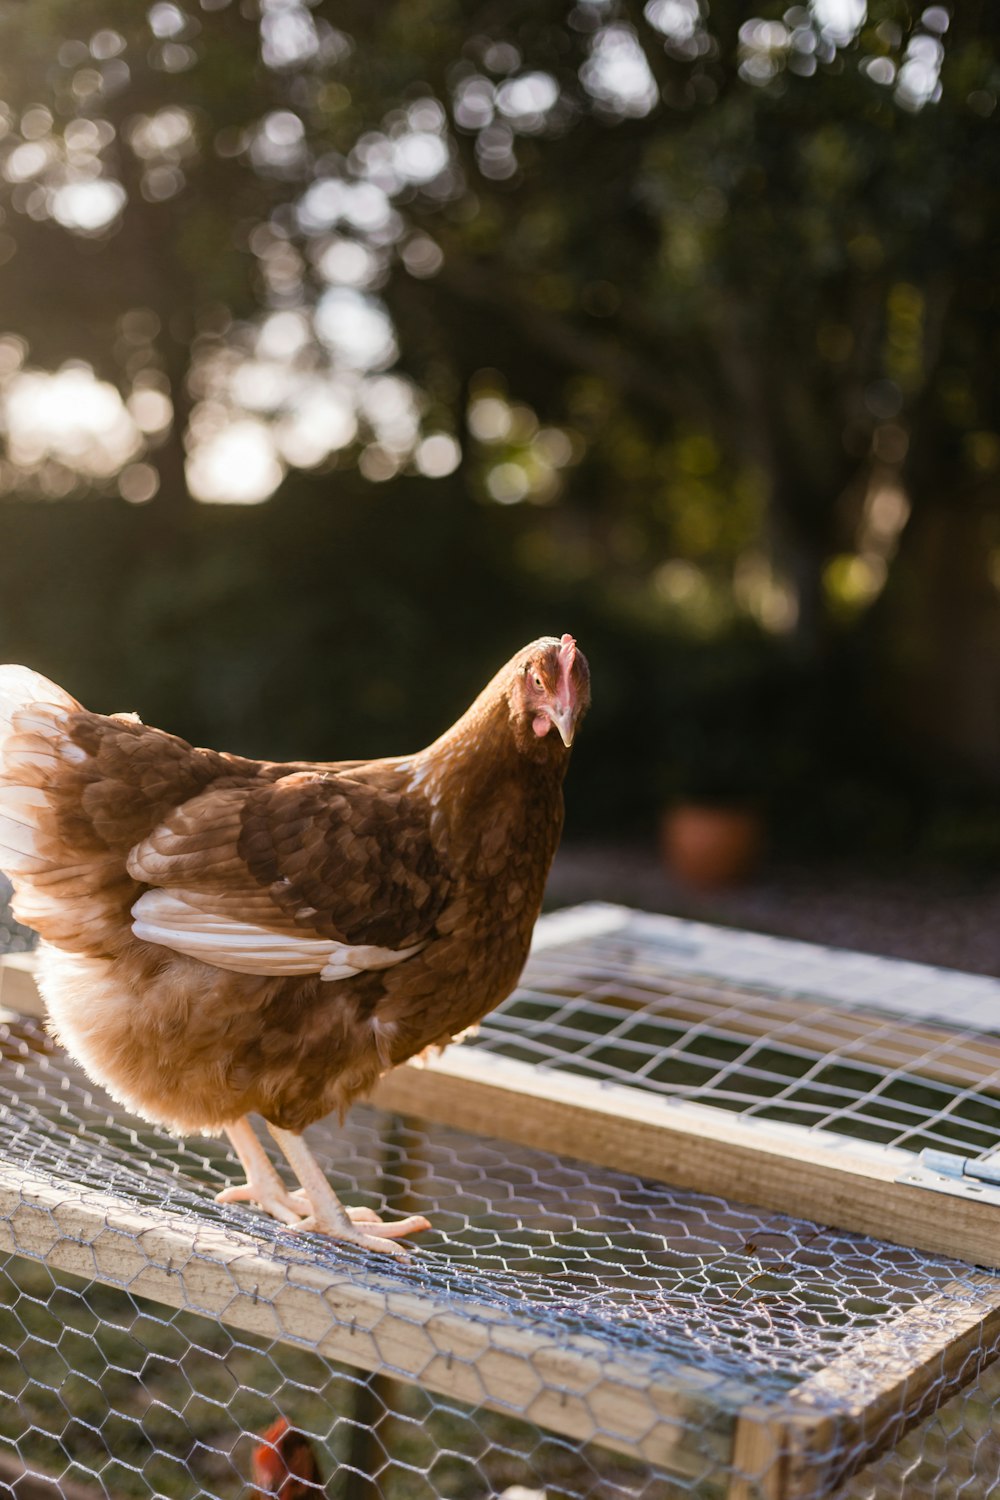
x: 269, y: 1455
x: 272, y: 1437
x: 285, y: 1463
x: 567, y: 658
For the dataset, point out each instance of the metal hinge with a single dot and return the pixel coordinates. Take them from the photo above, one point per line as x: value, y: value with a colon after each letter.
x: 962, y: 1176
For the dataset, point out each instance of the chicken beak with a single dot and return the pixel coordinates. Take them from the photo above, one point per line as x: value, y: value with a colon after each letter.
x: 564, y: 718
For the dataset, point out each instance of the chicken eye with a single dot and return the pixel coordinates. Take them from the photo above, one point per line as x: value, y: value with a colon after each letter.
x: 538, y: 681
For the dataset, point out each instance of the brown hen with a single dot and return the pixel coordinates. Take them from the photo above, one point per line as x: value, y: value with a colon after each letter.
x: 224, y: 935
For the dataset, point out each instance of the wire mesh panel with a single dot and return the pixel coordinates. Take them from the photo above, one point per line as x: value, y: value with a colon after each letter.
x: 571, y: 1327
x: 806, y: 1079
x: 956, y: 1453
x: 779, y: 1031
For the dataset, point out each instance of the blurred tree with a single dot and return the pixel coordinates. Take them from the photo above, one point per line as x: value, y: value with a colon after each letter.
x: 122, y: 225
x: 711, y: 298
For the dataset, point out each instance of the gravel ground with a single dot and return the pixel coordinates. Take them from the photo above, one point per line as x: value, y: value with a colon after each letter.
x: 930, y: 915
x: 934, y: 916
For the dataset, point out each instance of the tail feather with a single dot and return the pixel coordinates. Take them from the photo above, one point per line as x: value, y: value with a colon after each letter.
x: 19, y: 850
x: 77, y: 791
x: 21, y: 804
x: 32, y: 711
x: 20, y: 687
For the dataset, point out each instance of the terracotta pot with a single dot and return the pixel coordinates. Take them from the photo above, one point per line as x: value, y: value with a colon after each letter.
x: 711, y: 846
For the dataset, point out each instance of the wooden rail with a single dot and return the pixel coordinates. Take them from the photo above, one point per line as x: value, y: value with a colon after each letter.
x: 813, y: 1174
x: 665, y: 1412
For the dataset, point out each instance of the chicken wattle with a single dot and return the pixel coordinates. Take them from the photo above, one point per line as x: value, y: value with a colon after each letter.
x: 223, y: 935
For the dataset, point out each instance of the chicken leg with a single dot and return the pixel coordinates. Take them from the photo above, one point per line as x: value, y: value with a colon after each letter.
x: 314, y: 1205
x: 357, y: 1226
x: 263, y: 1185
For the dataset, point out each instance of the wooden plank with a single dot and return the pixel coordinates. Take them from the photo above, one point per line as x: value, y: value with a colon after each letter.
x: 892, y: 1380
x: 864, y: 1400
x: 760, y: 1446
x: 675, y: 1416
x: 18, y: 988
x: 837, y: 976
x: 809, y: 1174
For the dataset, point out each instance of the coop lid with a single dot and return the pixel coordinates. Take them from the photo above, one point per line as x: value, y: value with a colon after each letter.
x: 744, y: 1348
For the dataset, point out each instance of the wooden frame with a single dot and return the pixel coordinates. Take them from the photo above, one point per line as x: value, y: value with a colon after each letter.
x: 634, y: 1403
x: 835, y: 976
x: 658, y: 1409
x: 688, y: 1422
x: 866, y: 1399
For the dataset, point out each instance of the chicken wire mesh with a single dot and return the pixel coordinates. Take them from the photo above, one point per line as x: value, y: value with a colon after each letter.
x: 766, y: 1029
x: 575, y: 1330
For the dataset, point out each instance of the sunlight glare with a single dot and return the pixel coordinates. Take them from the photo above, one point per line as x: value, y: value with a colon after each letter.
x: 88, y: 207
x: 236, y: 466
x: 70, y: 416
x: 356, y: 328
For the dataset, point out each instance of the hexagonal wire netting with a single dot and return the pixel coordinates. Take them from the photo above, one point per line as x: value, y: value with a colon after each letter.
x: 573, y: 1330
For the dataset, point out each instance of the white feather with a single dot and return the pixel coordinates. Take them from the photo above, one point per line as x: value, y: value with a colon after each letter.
x: 20, y: 850
x: 19, y: 854
x: 40, y: 757
x: 22, y: 804
x: 346, y: 959
x: 169, y: 921
x: 22, y: 692
x: 35, y: 718
x: 20, y: 687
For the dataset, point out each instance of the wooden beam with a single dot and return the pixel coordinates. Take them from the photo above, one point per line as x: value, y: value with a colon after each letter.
x: 18, y: 986
x: 649, y: 1407
x: 674, y: 947
x: 864, y: 1400
x: 810, y: 1174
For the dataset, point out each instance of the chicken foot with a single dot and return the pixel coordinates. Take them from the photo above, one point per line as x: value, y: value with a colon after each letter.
x: 356, y: 1226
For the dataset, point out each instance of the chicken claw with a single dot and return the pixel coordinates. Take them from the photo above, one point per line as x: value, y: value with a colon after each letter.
x: 364, y: 1228
x: 375, y: 1238
x: 327, y: 1215
x: 314, y: 1207
x: 278, y: 1205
